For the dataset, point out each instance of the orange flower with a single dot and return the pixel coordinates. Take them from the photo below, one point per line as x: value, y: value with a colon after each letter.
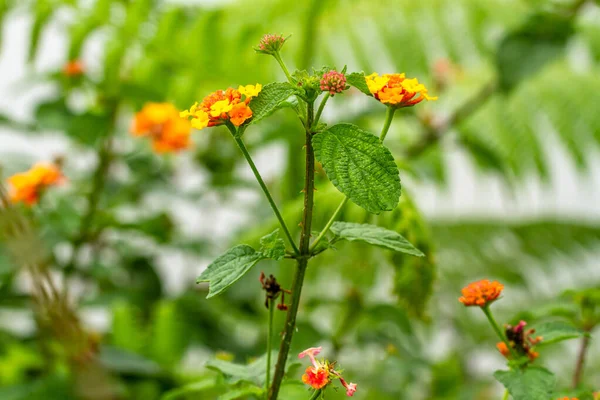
x: 162, y: 123
x: 481, y: 293
x: 73, y: 68
x: 396, y: 90
x: 316, y: 377
x: 503, y: 349
x: 567, y: 398
x: 221, y: 106
x: 27, y: 186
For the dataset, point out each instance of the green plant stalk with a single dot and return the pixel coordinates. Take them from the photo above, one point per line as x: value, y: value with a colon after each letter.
x: 264, y: 188
x: 302, y: 260
x: 316, y: 394
x: 505, y: 397
x: 488, y: 313
x: 320, y: 110
x: 581, y: 356
x: 277, y: 57
x: 269, y: 343
x: 389, y: 117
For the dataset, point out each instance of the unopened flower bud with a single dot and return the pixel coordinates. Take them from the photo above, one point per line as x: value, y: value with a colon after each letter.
x: 333, y: 82
x: 270, y: 44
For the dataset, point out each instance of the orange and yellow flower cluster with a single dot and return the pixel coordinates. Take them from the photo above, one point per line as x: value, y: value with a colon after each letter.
x: 162, y: 123
x: 27, y: 187
x: 396, y: 90
x: 321, y: 373
x: 481, y: 293
x: 222, y: 106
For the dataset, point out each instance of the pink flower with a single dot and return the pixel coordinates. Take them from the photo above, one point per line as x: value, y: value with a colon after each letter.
x: 311, y: 353
x: 333, y: 82
x: 271, y: 44
x: 350, y: 389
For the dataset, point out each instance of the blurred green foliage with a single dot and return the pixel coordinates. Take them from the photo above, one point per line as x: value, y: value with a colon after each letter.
x: 392, y: 321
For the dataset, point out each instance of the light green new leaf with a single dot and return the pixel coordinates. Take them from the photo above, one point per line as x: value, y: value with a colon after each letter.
x: 271, y: 98
x: 272, y: 246
x: 556, y: 331
x: 228, y: 268
x: 533, y: 383
x: 357, y: 79
x: 359, y: 166
x: 376, y: 236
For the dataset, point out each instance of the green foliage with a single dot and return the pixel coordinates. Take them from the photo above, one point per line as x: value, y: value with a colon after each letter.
x: 556, y: 331
x: 359, y: 166
x: 374, y: 235
x: 542, y: 38
x: 271, y: 98
x: 228, y: 268
x: 253, y: 372
x: 272, y: 246
x: 533, y: 383
x: 357, y: 80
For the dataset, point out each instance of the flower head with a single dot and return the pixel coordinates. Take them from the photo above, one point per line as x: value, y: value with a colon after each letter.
x: 317, y: 378
x: 333, y: 82
x: 481, y: 293
x: 396, y: 90
x: 162, y: 123
x: 28, y: 186
x: 522, y: 341
x: 568, y: 398
x: 73, y: 68
x: 222, y: 106
x: 271, y: 44
x: 321, y: 373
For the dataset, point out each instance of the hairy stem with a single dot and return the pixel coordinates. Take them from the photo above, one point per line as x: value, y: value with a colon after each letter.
x: 389, y: 117
x: 264, y: 188
x: 579, y: 366
x: 302, y: 261
x: 488, y: 313
x: 269, y: 343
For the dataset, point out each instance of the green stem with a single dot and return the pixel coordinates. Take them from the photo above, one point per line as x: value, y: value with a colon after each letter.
x: 283, y: 67
x: 505, y: 397
x: 264, y: 188
x: 302, y: 260
x: 316, y: 394
x: 389, y: 116
x: 269, y: 343
x: 328, y: 225
x: 320, y: 110
x: 488, y: 313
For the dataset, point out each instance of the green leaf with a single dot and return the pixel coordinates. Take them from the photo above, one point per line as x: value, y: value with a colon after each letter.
x: 184, y: 391
x: 272, y: 246
x: 556, y: 331
x: 253, y: 372
x: 533, y: 383
x: 242, y: 392
x: 271, y: 98
x: 360, y: 166
x: 228, y: 268
x: 525, y: 51
x: 124, y: 362
x: 89, y: 128
x: 357, y: 79
x: 376, y: 236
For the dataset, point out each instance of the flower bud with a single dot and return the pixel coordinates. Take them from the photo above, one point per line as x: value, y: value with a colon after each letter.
x: 270, y: 44
x: 333, y: 82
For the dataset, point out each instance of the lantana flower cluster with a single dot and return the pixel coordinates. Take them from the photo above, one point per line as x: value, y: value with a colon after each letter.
x: 221, y: 107
x: 27, y: 187
x: 322, y: 373
x: 481, y: 293
x: 163, y: 125
x: 395, y: 90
